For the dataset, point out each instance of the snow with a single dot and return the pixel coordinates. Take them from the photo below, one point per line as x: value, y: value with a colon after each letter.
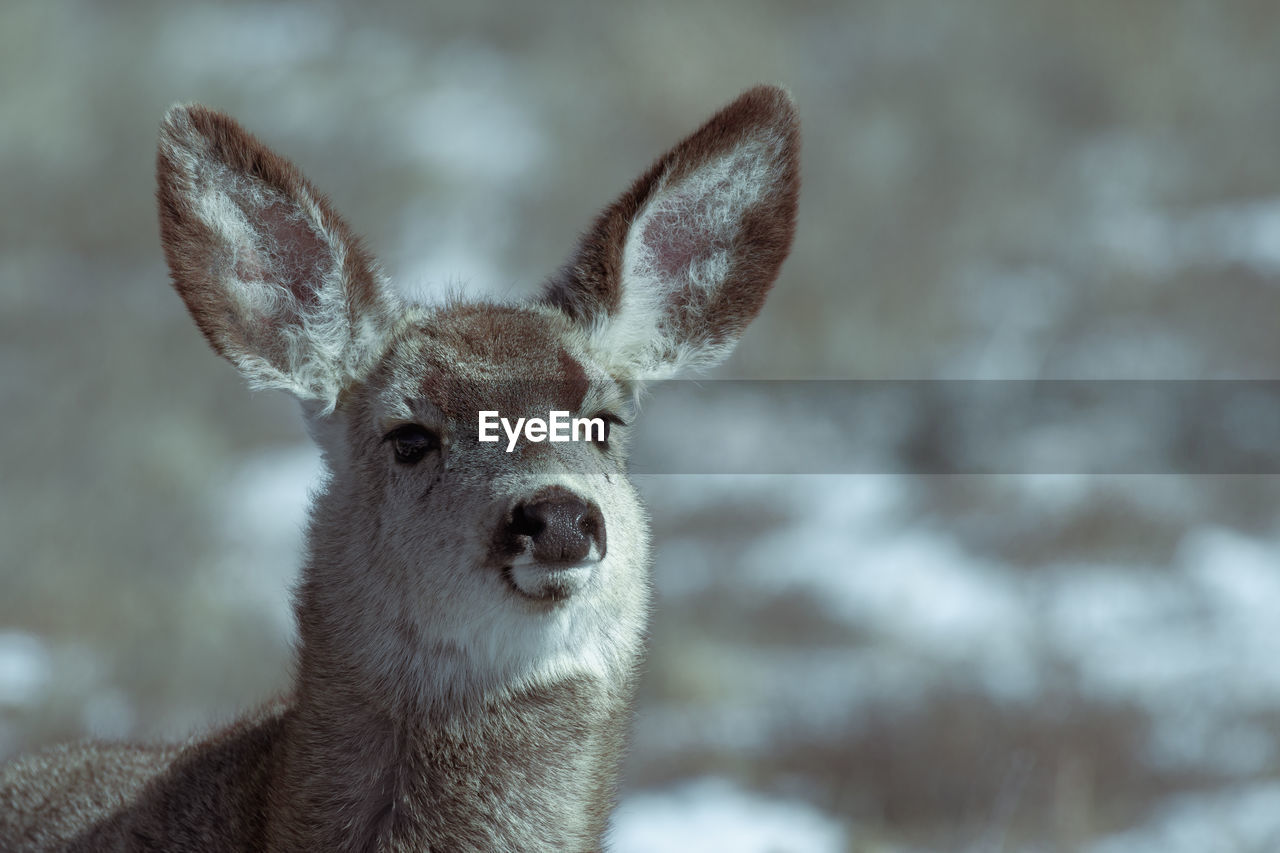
x: 1245, y: 234
x: 1244, y: 820
x: 712, y: 815
x: 25, y: 668
x: 1192, y: 642
x: 918, y: 591
x: 915, y: 590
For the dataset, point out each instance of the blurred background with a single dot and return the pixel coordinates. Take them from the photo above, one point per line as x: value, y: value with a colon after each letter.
x: 993, y: 190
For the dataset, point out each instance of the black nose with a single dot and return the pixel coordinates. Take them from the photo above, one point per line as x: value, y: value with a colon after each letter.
x: 561, y: 526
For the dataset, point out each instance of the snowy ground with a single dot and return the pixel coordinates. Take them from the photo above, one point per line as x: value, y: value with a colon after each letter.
x: 1190, y: 644
x: 716, y: 816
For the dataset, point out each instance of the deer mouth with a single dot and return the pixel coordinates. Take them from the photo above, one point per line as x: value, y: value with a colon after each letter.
x: 549, y: 583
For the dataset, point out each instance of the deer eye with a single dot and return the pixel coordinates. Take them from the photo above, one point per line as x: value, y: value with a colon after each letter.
x: 609, y: 420
x: 411, y: 442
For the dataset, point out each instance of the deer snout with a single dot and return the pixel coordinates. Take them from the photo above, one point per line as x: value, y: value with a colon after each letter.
x: 561, y: 527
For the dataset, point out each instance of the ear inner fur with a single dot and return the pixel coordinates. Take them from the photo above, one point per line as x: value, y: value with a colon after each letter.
x: 663, y: 332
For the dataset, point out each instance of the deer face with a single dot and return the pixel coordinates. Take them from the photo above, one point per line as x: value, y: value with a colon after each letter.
x: 535, y: 515
x: 437, y: 559
x: 514, y: 562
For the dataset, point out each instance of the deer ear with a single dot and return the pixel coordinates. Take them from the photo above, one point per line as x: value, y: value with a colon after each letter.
x: 672, y: 272
x: 273, y: 277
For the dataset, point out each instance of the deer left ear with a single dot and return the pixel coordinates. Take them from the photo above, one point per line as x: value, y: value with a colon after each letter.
x: 672, y: 272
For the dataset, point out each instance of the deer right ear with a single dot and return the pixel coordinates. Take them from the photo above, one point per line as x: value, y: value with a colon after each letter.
x: 272, y: 276
x: 674, y: 270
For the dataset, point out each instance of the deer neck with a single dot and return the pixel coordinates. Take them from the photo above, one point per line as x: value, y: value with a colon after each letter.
x: 527, y: 769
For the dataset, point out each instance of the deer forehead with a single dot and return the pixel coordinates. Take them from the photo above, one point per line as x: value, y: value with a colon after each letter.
x: 467, y: 358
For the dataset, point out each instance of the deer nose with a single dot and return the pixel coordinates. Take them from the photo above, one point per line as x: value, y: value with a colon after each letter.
x: 562, y: 527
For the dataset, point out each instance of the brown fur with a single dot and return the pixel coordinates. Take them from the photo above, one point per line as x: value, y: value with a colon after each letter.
x: 439, y: 703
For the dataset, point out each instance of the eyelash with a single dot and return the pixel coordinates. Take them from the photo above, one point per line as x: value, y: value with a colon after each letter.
x: 412, y: 442
x: 609, y: 419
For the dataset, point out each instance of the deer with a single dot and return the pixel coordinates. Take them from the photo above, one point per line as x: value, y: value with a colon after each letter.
x: 470, y: 621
